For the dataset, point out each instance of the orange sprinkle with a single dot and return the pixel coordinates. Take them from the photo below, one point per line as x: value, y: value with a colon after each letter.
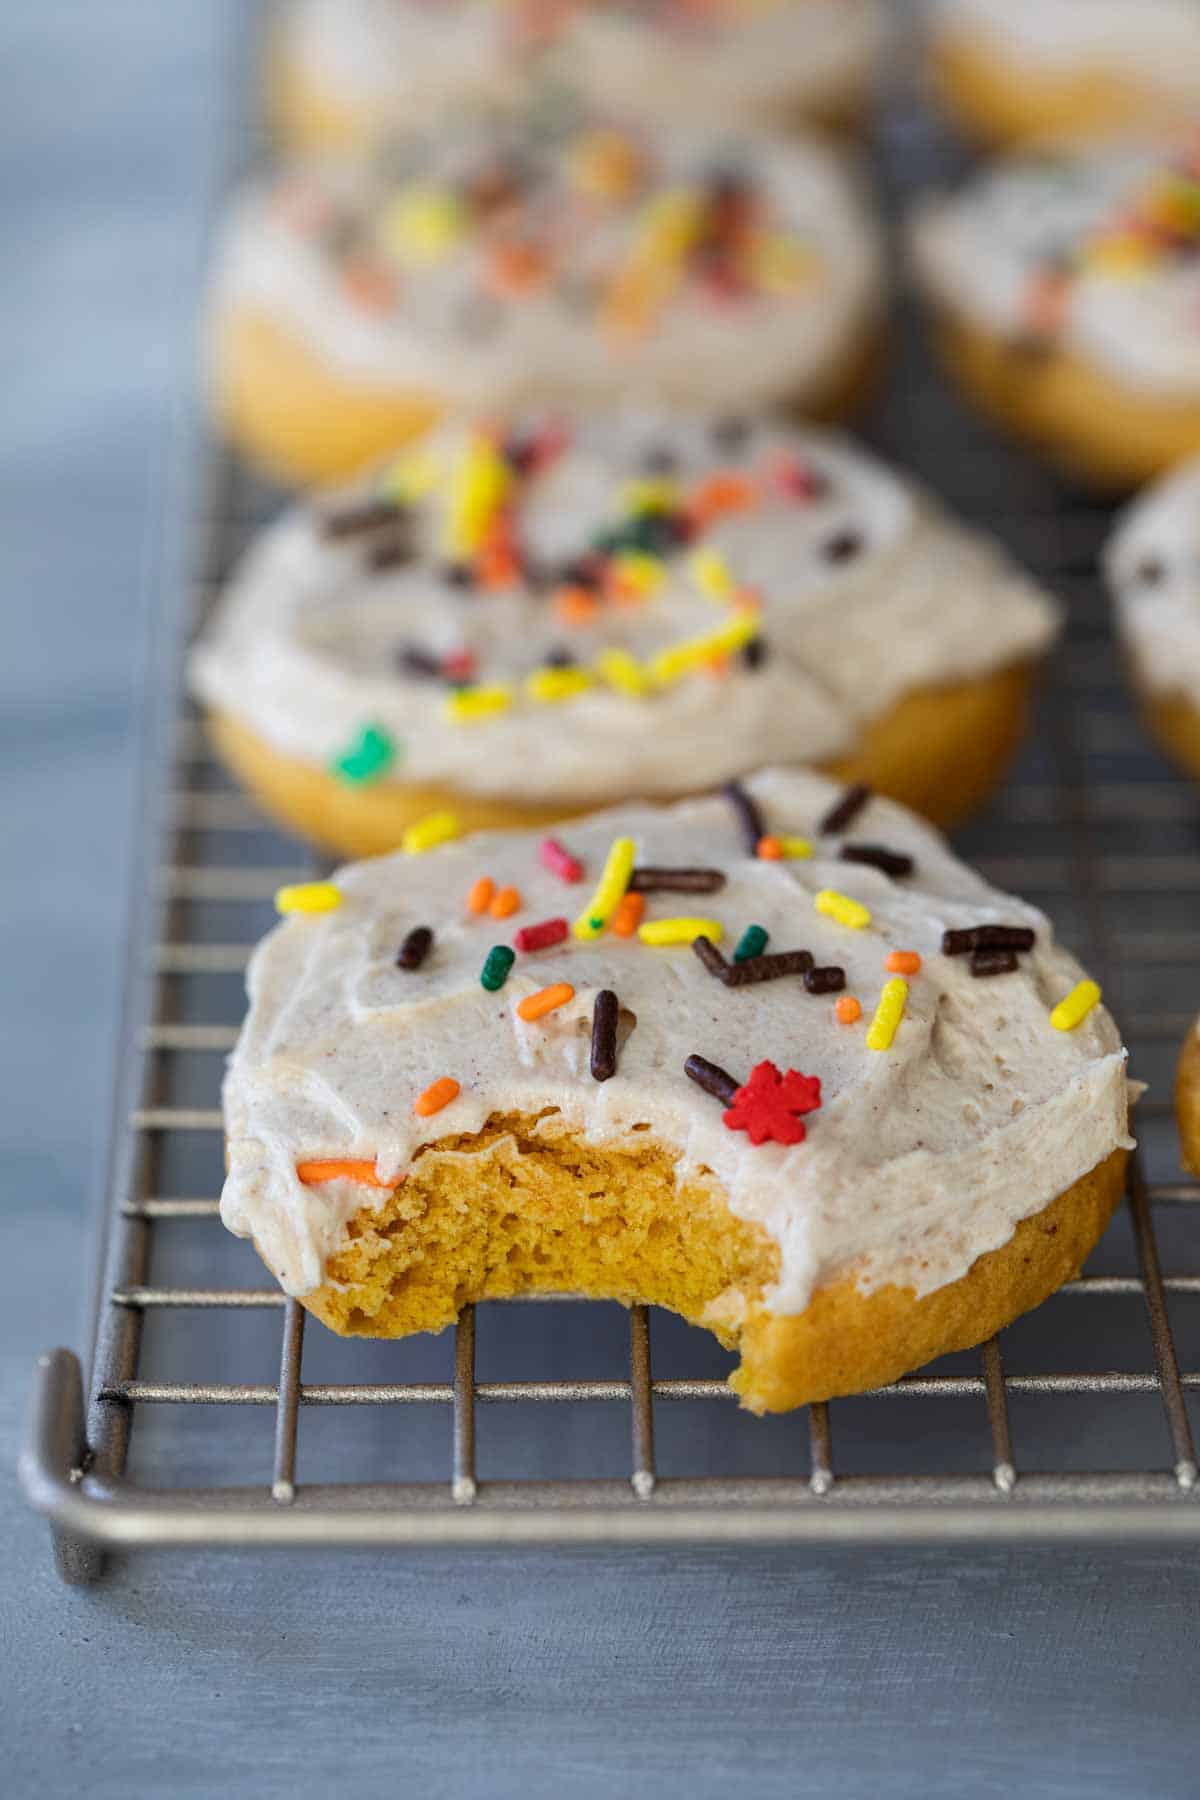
x: 848, y: 1009
x: 505, y: 902
x: 720, y: 493
x: 770, y: 849
x: 575, y: 605
x: 717, y: 665
x: 903, y: 962
x: 352, y: 1168
x: 439, y: 1093
x: 546, y: 1000
x: 628, y: 915
x: 515, y: 268
x: 480, y: 896
x: 369, y: 286
x: 496, y: 567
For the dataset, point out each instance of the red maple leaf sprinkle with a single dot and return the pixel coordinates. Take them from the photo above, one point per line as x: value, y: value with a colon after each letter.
x: 769, y: 1105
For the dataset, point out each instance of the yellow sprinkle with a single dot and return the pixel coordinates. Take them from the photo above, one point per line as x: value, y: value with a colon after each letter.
x: 422, y: 224
x: 610, y: 889
x: 435, y: 828
x: 669, y: 225
x: 605, y: 163
x: 795, y: 847
x: 477, y: 703
x: 693, y: 653
x: 653, y: 494
x: 308, y: 897
x: 552, y: 685
x: 622, y: 671
x: 1075, y: 1008
x: 480, y: 487
x: 710, y: 572
x: 888, y: 1014
x: 784, y: 264
x: 842, y: 908
x: 639, y: 571
x: 680, y: 931
x: 411, y: 476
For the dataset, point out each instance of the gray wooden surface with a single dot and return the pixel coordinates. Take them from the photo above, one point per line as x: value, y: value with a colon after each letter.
x: 693, y: 1672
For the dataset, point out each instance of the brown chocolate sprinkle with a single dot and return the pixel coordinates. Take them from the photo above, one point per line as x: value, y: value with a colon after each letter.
x: 651, y: 879
x: 660, y: 459
x: 993, y: 962
x: 730, y: 433
x: 825, y: 981
x: 987, y: 937
x: 750, y: 820
x: 715, y: 1081
x: 559, y: 658
x: 841, y: 548
x: 604, y: 1035
x: 390, y: 553
x: 711, y: 957
x: 360, y: 516
x: 891, y: 862
x: 844, y: 810
x: 458, y: 575
x: 415, y: 661
x: 767, y: 968
x: 1150, y: 572
x: 754, y: 654
x: 415, y: 948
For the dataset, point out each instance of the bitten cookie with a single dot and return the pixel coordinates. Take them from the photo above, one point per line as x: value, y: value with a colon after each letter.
x: 773, y: 1059
x: 1067, y: 293
x: 1013, y: 71
x: 1153, y: 568
x: 345, y: 71
x: 537, y: 261
x: 517, y: 623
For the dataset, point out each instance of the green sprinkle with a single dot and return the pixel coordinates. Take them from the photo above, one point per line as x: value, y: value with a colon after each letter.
x: 752, y: 942
x: 368, y: 758
x: 500, y: 960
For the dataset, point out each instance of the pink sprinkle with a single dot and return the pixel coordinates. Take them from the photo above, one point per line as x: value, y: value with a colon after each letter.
x: 794, y: 478
x: 559, y: 861
x: 540, y: 937
x: 459, y: 664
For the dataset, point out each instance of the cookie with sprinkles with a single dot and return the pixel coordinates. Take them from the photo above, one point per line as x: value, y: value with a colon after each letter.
x: 863, y: 1159
x: 536, y: 257
x: 589, y: 648
x: 1023, y: 71
x: 1066, y: 290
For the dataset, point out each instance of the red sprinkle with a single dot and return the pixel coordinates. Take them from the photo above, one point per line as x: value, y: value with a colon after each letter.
x: 459, y: 665
x: 540, y: 937
x: 769, y: 1105
x: 554, y: 856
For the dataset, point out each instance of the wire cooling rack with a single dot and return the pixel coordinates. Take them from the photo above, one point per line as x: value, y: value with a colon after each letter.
x: 212, y: 1418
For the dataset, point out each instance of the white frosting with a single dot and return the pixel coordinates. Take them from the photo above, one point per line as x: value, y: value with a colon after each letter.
x: 1155, y: 41
x: 1153, y: 569
x: 978, y: 252
x: 547, y: 347
x: 409, y: 59
x: 920, y: 1158
x: 304, y: 647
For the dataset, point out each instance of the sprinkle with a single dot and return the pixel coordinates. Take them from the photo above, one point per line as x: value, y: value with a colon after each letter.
x: 844, y: 810
x: 1075, y: 1008
x: 752, y: 942
x: 343, y: 1168
x: 415, y: 948
x: 438, y: 1094
x: 903, y: 962
x: 769, y: 1105
x: 768, y: 968
x: 750, y: 819
x: 411, y: 477
x: 993, y: 962
x: 390, y: 552
x: 888, y: 1014
x: 458, y: 665
x: 848, y: 1009
x: 308, y: 897
x: 783, y: 849
x: 841, y: 548
x: 577, y: 606
x: 693, y: 653
x: 370, y: 756
x: 415, y: 661
x: 500, y: 960
x: 636, y: 575
x: 358, y: 517
x: 649, y: 879
x: 480, y: 896
x: 623, y: 672
x: 550, y: 686
x: 713, y: 1080
x: 540, y: 937
x: 754, y: 654
x: 477, y: 703
x: 434, y: 829
x: 710, y: 956
x: 546, y: 1000
x: 554, y: 856
x: 830, y: 980
x: 769, y: 849
x: 680, y: 931
x: 841, y: 907
x: 875, y: 856
x: 987, y: 937
x: 628, y: 915
x: 614, y: 879
x: 423, y: 223
x: 710, y: 572
x: 505, y: 902
x: 604, y: 1035
x: 657, y: 493
x: 719, y: 493
x: 479, y: 488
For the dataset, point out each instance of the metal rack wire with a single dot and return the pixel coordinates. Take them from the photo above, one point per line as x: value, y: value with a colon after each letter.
x: 1025, y: 1440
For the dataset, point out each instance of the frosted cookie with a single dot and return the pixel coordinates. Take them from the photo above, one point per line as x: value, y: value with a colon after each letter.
x: 847, y: 1106
x: 1017, y: 70
x: 1187, y: 1100
x: 1068, y: 296
x: 517, y: 623
x: 537, y: 263
x: 347, y: 70
x: 1153, y: 569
